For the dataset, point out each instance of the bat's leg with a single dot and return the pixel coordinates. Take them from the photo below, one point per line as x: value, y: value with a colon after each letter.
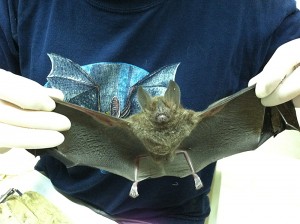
x: 134, y: 188
x: 198, y: 182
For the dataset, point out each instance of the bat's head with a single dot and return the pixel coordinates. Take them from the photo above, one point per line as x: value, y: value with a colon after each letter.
x: 160, y: 109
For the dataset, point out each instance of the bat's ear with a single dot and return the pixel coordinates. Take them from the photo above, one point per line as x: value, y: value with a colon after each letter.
x: 173, y: 93
x: 144, y: 98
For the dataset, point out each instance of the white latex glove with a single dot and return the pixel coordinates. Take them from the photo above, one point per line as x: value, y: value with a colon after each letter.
x: 280, y: 79
x: 26, y: 120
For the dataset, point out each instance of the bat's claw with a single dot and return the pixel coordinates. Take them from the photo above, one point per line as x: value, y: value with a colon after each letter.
x: 198, y: 182
x: 134, y: 190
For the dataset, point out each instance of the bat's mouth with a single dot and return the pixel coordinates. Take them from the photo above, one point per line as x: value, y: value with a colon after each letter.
x: 162, y: 118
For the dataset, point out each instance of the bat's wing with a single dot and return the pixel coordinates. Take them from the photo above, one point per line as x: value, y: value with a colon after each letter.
x: 77, y: 85
x: 235, y: 124
x: 98, y: 140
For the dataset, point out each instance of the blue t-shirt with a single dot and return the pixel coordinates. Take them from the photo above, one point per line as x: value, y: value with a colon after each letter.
x: 220, y: 45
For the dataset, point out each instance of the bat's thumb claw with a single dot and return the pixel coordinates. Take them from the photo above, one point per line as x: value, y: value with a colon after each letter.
x: 134, y: 190
x: 198, y: 182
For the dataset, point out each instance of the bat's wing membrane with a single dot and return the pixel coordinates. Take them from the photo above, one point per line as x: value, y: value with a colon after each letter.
x: 233, y: 125
x: 236, y: 128
x: 98, y: 140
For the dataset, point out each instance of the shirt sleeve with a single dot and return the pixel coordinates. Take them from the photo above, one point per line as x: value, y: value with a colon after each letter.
x: 9, y: 59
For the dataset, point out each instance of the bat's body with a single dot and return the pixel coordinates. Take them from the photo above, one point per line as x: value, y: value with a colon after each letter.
x: 163, y: 123
x: 162, y: 126
x: 166, y: 139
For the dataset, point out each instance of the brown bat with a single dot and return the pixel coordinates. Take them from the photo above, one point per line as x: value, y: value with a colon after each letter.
x: 165, y: 139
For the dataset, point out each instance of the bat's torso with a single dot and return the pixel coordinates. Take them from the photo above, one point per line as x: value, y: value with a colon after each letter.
x: 162, y: 139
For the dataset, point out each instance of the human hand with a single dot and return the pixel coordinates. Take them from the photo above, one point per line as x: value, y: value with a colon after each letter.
x: 26, y: 120
x: 280, y: 79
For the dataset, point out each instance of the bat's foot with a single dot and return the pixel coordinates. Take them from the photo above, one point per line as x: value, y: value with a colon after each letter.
x: 198, y: 182
x: 134, y: 190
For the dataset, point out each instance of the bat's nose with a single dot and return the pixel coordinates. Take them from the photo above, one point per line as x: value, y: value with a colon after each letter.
x: 162, y: 118
x: 161, y: 113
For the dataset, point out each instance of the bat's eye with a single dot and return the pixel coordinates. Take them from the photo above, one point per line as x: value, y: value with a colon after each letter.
x: 162, y: 118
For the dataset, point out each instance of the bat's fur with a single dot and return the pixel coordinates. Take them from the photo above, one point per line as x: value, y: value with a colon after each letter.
x: 163, y: 122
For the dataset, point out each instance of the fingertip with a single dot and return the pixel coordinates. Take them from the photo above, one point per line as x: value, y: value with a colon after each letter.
x: 253, y: 80
x: 48, y: 139
x: 54, y: 121
x: 65, y: 124
x: 259, y: 83
x: 265, y: 87
x: 47, y: 105
x: 60, y: 139
x: 260, y: 90
x: 54, y: 93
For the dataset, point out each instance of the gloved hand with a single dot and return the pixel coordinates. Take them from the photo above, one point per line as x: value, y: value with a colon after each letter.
x: 26, y: 120
x: 280, y: 79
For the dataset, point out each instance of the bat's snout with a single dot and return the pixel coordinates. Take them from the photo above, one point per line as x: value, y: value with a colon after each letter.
x: 162, y: 118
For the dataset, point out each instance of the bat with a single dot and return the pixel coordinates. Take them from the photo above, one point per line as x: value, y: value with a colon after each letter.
x: 165, y: 139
